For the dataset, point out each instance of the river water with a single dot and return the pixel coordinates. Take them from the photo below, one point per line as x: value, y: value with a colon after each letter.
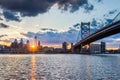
x: 60, y: 67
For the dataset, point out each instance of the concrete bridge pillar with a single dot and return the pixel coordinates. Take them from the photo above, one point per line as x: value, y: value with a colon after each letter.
x: 77, y: 50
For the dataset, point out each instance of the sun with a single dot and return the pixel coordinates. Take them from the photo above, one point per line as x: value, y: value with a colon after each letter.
x: 33, y: 48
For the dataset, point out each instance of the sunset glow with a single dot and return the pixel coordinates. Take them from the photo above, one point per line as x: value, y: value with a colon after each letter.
x: 51, y: 30
x: 112, y: 48
x: 69, y: 46
x: 33, y: 48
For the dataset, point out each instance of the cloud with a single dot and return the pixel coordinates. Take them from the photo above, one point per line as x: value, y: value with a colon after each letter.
x: 113, y: 11
x: 1, y: 18
x: 21, y: 33
x: 34, y: 7
x: 77, y: 25
x: 3, y: 35
x: 8, y: 15
x: 51, y: 37
x: 88, y: 7
x: 2, y: 25
x: 99, y: 0
x: 97, y: 24
x: 44, y: 29
x: 94, y: 22
x: 112, y: 41
x: 5, y: 40
x: 48, y: 29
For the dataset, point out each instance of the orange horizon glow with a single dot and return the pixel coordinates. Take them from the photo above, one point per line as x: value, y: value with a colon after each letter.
x: 111, y: 48
x: 5, y: 43
x: 69, y: 46
x: 33, y: 47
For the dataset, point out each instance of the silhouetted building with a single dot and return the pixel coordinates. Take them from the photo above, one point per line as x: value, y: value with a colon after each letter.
x: 39, y: 46
x: 14, y: 44
x: 48, y: 49
x: 72, y: 47
x: 98, y: 48
x: 27, y: 46
x: 21, y: 44
x: 95, y: 48
x: 119, y: 49
x: 103, y: 47
x: 64, y: 46
x: 58, y: 50
x: 35, y: 41
x: 38, y: 43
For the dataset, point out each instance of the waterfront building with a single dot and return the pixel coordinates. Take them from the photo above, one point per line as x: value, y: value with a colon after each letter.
x: 119, y: 49
x: 48, y: 49
x: 72, y: 47
x: 103, y: 47
x: 21, y: 44
x: 98, y: 48
x: 64, y: 46
x: 95, y: 48
x: 14, y: 44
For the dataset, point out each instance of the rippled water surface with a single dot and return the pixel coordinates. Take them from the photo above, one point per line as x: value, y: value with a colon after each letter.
x: 60, y: 67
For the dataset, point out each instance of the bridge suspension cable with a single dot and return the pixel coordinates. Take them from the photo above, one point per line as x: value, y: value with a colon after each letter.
x: 116, y: 18
x: 80, y: 29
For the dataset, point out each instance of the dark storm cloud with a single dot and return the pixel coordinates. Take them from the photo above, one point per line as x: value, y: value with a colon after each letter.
x: 8, y: 15
x: 34, y: 7
x: 2, y: 25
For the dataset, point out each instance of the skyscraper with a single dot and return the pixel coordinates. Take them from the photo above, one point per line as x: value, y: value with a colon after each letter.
x: 21, y: 43
x: 14, y: 44
x: 119, y: 49
x: 103, y: 47
x: 72, y: 47
x: 35, y: 41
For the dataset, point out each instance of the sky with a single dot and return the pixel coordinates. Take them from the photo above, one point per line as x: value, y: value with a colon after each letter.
x: 55, y: 21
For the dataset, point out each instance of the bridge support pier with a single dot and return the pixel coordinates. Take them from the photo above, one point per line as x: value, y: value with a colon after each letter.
x: 82, y: 49
x: 77, y: 50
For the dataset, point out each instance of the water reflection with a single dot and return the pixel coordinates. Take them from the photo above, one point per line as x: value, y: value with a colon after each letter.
x: 60, y: 67
x: 33, y: 66
x: 87, y: 61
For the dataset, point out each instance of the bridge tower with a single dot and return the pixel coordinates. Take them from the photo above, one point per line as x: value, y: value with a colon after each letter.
x: 85, y: 31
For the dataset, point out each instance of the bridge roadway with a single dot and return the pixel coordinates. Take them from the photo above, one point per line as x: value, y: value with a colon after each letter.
x: 108, y: 30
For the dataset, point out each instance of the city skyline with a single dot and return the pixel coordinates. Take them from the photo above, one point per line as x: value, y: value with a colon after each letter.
x: 54, y: 26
